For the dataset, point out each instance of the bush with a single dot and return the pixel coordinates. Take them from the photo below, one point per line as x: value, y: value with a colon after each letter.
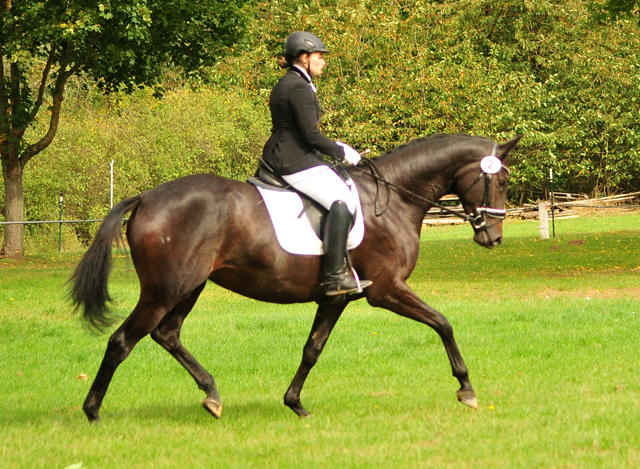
x: 150, y: 141
x: 397, y: 71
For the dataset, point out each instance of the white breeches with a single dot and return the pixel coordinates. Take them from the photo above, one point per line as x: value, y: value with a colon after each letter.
x: 323, y: 185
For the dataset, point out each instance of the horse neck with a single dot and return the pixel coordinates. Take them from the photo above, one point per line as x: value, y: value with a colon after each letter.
x: 428, y: 176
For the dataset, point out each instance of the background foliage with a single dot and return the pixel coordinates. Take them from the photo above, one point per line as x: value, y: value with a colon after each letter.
x: 149, y: 140
x: 495, y: 68
x: 121, y: 45
x: 565, y: 78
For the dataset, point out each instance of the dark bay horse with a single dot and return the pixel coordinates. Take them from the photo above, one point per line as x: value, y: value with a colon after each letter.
x: 201, y: 227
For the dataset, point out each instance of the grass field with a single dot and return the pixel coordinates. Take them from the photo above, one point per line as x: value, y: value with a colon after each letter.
x: 549, y: 330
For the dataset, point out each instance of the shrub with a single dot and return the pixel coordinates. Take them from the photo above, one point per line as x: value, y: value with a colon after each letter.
x: 150, y: 141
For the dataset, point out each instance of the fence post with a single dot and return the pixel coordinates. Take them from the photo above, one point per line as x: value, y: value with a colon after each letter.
x: 544, y: 220
x: 553, y: 215
x: 111, y: 205
x: 60, y: 230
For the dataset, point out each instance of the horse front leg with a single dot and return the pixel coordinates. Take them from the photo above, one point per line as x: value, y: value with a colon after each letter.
x: 404, y: 301
x: 326, y: 318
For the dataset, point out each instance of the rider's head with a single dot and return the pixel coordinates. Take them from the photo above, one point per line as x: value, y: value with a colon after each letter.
x: 305, y: 50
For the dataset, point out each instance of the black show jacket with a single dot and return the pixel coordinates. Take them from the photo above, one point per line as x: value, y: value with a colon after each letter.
x: 296, y: 142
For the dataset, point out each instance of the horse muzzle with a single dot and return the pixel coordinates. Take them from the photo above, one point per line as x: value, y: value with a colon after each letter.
x: 488, y: 239
x: 488, y: 234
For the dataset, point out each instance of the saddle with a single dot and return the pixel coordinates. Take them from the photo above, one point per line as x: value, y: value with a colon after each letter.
x: 266, y: 178
x: 297, y: 219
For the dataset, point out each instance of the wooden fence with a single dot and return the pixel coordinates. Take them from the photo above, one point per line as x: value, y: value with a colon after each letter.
x: 566, y: 205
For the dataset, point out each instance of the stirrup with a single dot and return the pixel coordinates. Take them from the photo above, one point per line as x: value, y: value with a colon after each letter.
x: 344, y: 284
x: 337, y: 289
x: 362, y: 284
x: 329, y: 299
x: 351, y: 291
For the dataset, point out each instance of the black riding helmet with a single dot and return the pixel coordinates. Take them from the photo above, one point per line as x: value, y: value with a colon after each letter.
x: 303, y: 41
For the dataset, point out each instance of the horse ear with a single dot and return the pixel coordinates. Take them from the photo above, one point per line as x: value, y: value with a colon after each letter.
x: 505, y: 148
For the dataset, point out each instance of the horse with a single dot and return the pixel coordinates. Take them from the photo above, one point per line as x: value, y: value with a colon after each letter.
x: 203, y: 226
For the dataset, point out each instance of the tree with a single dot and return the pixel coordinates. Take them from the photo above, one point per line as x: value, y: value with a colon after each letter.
x: 121, y: 45
x: 615, y: 9
x: 496, y: 68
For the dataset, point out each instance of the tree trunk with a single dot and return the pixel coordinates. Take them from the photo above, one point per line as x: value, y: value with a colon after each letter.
x: 13, y: 243
x: 15, y: 125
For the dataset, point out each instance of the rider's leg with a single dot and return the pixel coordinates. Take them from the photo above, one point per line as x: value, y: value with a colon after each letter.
x: 335, y: 234
x: 327, y: 188
x: 323, y: 185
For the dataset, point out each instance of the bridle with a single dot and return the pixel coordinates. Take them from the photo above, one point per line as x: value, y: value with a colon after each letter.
x: 478, y: 220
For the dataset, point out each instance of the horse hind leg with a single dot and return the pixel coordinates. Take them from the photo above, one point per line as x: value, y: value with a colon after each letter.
x: 144, y: 318
x: 167, y: 334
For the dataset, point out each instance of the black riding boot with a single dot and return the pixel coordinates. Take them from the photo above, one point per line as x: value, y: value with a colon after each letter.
x: 336, y: 231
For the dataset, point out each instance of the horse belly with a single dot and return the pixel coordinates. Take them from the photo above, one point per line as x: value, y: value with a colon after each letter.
x: 283, y: 278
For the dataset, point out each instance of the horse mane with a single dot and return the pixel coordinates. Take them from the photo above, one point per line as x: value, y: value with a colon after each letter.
x: 409, y: 145
x: 427, y: 155
x: 433, y: 140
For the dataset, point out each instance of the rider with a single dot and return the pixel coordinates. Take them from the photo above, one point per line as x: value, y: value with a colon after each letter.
x: 294, y: 152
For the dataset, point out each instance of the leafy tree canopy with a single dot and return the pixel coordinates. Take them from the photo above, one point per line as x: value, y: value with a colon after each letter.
x: 400, y: 70
x: 615, y: 9
x: 121, y: 45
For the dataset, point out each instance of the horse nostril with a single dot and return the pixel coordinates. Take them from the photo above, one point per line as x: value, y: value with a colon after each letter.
x: 497, y: 241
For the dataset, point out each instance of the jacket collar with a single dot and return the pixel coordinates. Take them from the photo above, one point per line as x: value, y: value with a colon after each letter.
x: 303, y: 73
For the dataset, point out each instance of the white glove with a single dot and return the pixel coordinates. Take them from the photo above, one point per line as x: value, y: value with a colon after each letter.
x: 351, y: 155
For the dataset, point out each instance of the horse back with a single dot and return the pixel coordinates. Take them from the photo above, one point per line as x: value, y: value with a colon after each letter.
x: 205, y: 226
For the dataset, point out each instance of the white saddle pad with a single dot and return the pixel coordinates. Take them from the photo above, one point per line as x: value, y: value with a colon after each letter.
x: 295, y: 234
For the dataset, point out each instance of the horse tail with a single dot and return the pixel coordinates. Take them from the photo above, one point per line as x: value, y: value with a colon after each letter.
x: 89, y: 290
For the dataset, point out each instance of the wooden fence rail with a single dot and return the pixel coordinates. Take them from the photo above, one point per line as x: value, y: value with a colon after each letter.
x: 565, y: 206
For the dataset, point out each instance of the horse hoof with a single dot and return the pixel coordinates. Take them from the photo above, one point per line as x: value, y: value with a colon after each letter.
x: 213, y: 407
x: 468, y: 398
x: 92, y: 417
x: 297, y: 407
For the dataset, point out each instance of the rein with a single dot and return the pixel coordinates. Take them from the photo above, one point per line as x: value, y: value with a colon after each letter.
x: 478, y: 220
x: 377, y: 175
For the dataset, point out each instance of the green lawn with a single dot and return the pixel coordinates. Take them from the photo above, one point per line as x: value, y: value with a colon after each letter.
x: 549, y: 331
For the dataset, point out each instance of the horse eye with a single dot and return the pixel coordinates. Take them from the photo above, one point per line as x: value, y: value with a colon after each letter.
x: 502, y: 184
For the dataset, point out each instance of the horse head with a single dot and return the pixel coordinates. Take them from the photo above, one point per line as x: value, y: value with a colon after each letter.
x: 482, y: 188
